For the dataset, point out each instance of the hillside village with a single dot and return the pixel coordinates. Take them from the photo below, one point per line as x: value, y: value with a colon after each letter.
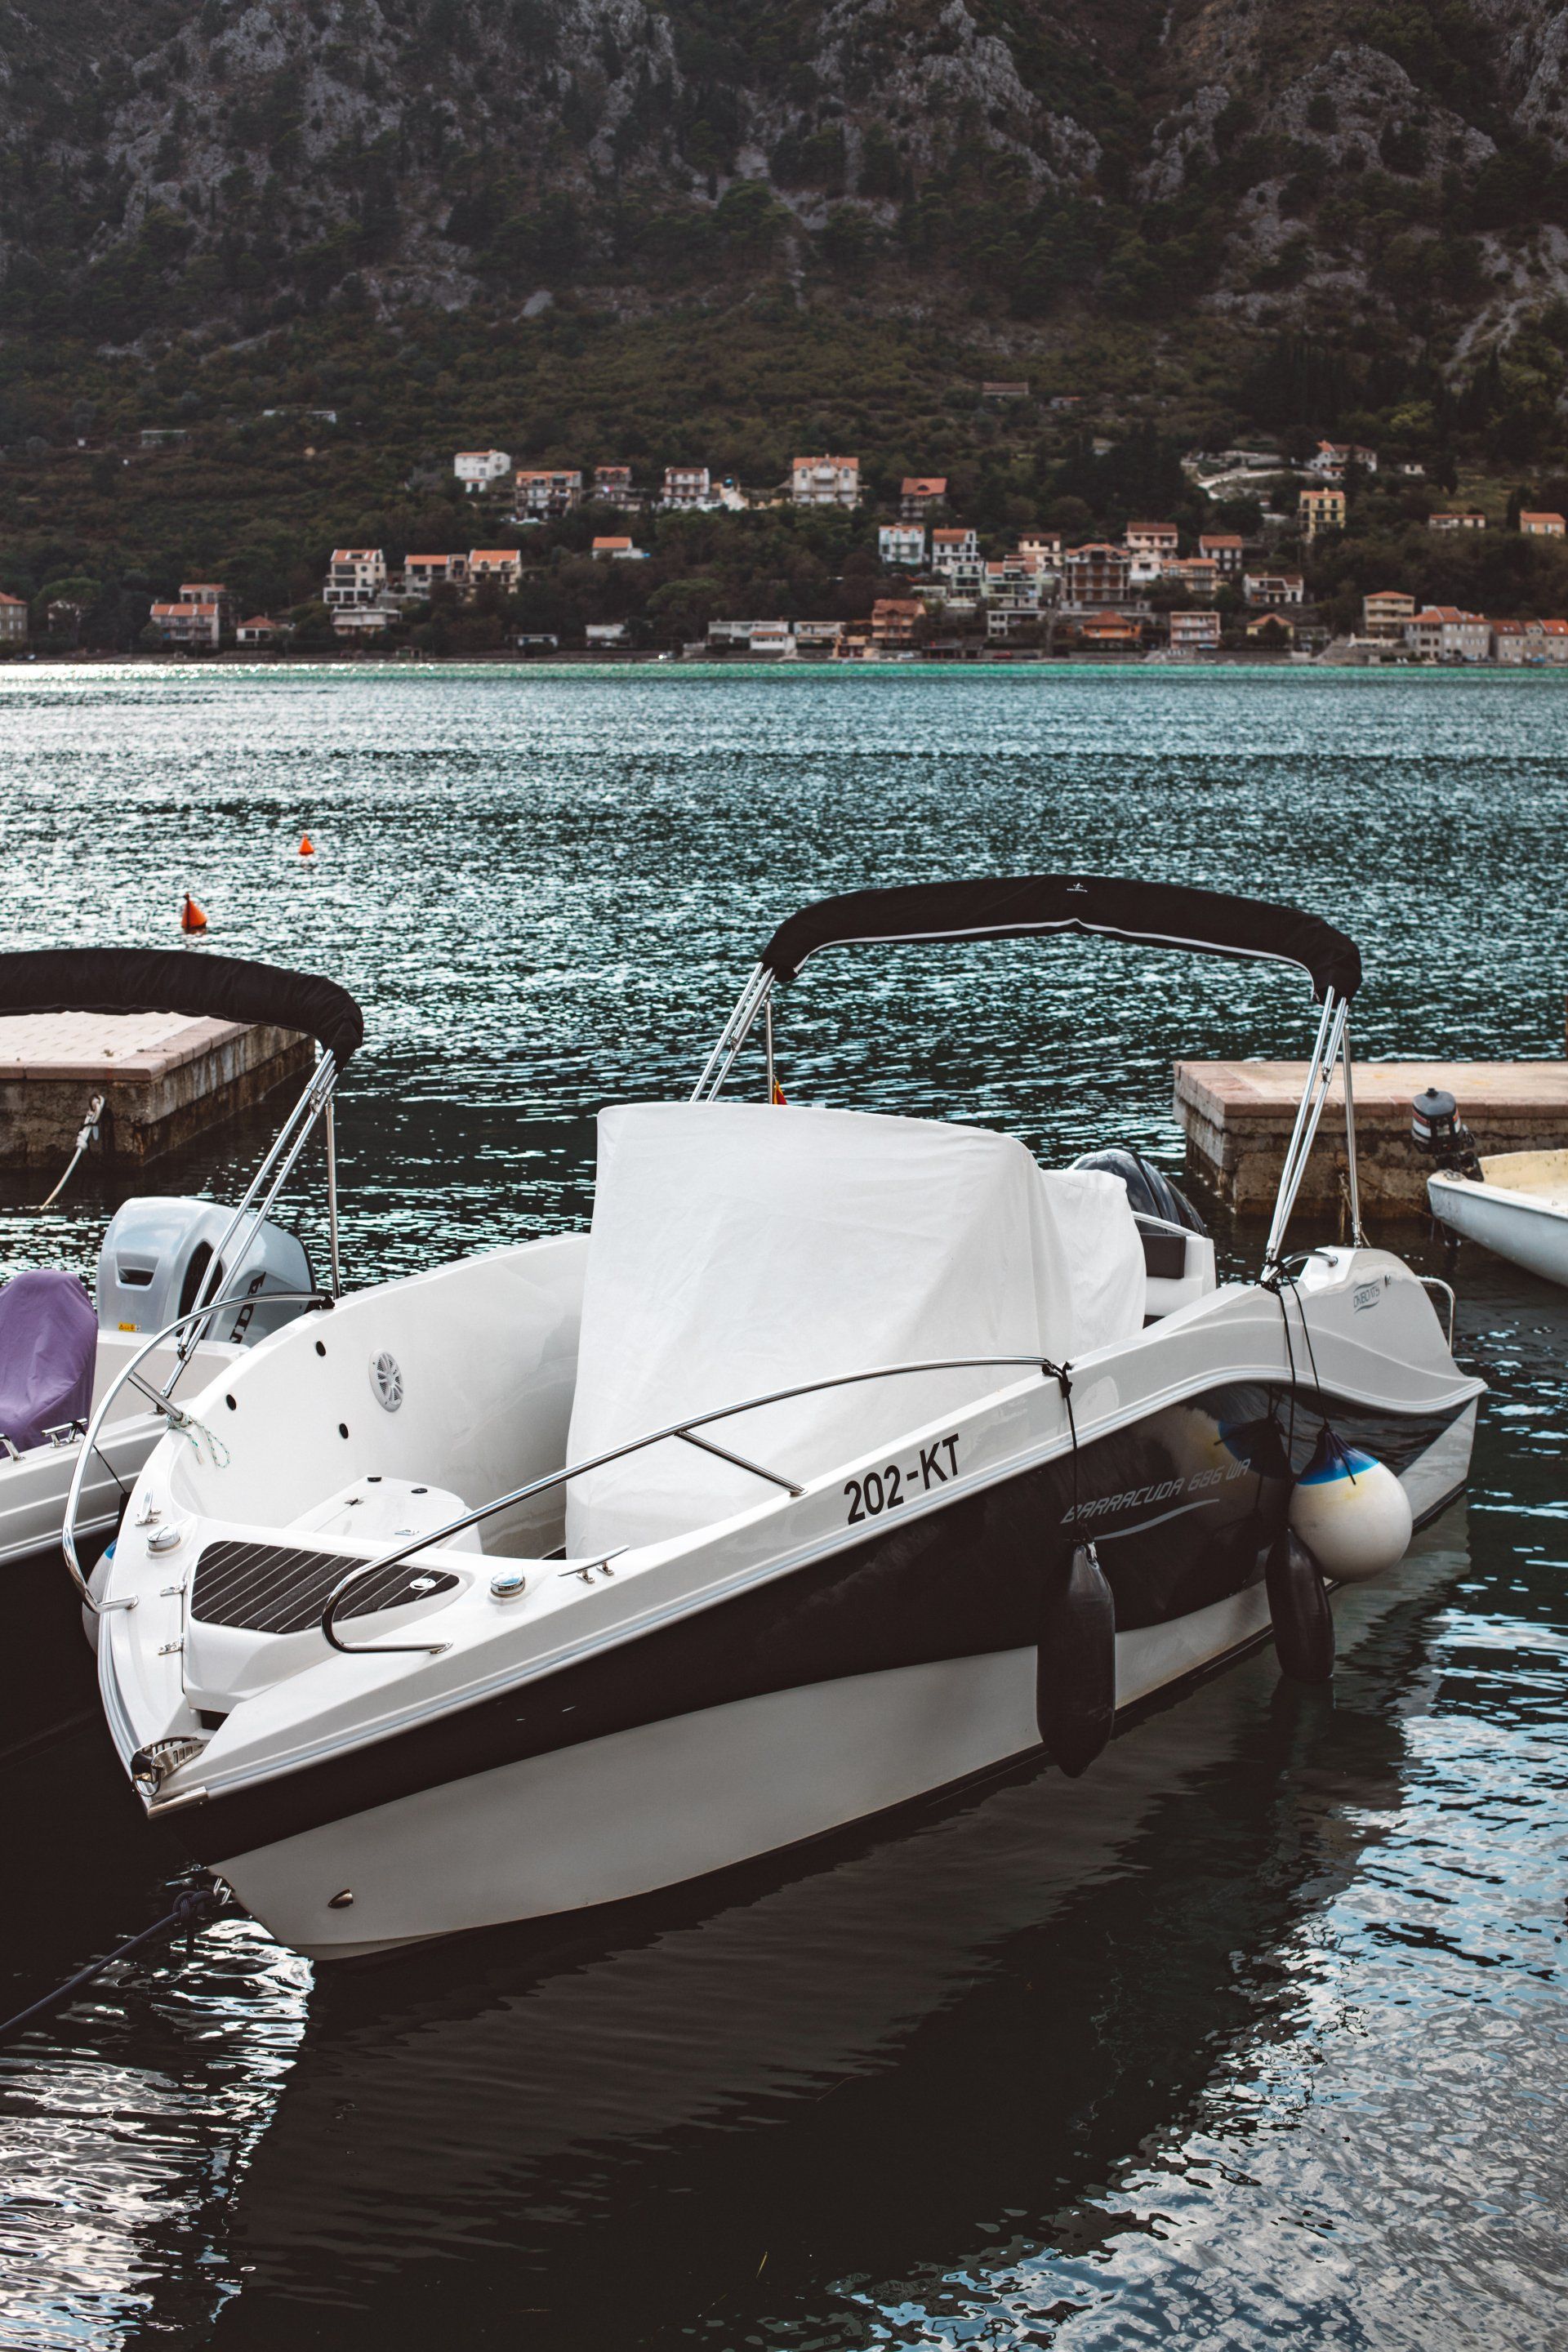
x: 938, y: 588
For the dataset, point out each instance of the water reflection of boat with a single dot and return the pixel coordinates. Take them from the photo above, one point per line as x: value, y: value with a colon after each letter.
x: 850, y: 2069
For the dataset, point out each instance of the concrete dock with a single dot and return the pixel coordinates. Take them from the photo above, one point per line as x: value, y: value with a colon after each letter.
x: 1237, y: 1117
x: 164, y: 1078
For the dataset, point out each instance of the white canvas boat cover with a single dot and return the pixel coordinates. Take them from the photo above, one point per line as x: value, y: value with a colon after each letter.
x: 741, y: 1247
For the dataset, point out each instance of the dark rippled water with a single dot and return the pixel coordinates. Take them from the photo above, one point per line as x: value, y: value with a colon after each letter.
x: 1255, y: 2034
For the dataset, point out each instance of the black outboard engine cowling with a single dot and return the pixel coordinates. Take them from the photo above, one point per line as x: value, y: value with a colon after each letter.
x: 1149, y: 1191
x: 1440, y: 1135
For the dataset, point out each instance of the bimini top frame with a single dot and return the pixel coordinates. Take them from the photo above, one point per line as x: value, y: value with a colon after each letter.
x: 1144, y: 914
x: 209, y: 987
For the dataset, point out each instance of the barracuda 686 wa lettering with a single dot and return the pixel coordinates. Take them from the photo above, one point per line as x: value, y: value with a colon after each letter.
x: 845, y: 1458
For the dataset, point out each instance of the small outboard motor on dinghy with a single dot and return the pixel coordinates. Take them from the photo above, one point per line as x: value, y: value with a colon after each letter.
x: 1441, y: 1136
x: 156, y: 1256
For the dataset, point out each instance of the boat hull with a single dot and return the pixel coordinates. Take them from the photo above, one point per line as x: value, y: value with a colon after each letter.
x: 1531, y: 1233
x: 688, y: 1794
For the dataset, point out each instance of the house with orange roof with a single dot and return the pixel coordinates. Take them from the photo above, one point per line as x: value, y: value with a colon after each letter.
x: 920, y: 496
x: 1543, y: 526
x: 541, y: 493
x: 13, y: 621
x: 357, y: 575
x: 894, y: 620
x: 1226, y: 550
x: 825, y: 482
x: 617, y: 547
x: 1111, y: 632
x: 1160, y: 539
x: 197, y: 627
x: 501, y: 564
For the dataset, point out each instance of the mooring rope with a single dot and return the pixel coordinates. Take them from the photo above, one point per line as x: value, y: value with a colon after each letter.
x: 193, y: 1908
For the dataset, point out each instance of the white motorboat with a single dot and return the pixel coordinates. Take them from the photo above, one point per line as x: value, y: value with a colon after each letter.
x: 1516, y: 1203
x: 183, y: 1285
x: 846, y: 1459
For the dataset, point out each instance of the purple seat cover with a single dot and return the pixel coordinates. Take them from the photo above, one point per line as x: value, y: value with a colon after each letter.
x: 49, y: 1350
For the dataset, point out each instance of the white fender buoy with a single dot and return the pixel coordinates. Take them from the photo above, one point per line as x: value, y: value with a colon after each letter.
x: 1351, y: 1511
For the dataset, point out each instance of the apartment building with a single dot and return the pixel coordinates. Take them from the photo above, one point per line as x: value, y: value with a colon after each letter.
x: 1384, y: 614
x: 902, y: 543
x: 501, y: 564
x: 613, y: 486
x: 687, y: 485
x: 481, y: 469
x: 13, y: 621
x: 1445, y: 633
x: 1097, y: 574
x: 195, y: 626
x: 1196, y: 631
x: 1226, y: 550
x: 1197, y: 575
x: 209, y: 592
x: 357, y: 575
x: 826, y: 481
x: 422, y: 573
x: 1273, y: 588
x: 894, y: 620
x: 541, y: 493
x: 1152, y: 539
x: 1322, y: 509
x: 953, y: 543
x: 921, y: 496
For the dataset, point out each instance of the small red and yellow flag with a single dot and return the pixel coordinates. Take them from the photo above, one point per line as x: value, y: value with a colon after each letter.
x: 778, y: 1093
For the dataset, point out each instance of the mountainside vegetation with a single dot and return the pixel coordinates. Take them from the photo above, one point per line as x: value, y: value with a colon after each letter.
x: 596, y: 230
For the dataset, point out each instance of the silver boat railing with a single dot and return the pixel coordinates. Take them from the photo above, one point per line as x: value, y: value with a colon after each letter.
x: 175, y: 1415
x: 683, y: 1429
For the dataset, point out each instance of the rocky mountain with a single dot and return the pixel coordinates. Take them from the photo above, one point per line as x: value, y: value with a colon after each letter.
x: 1401, y: 166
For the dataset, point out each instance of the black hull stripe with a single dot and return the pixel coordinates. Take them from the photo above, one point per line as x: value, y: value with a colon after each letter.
x: 961, y: 1582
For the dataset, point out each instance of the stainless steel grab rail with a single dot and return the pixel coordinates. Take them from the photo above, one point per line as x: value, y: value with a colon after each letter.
x: 635, y: 1445
x: 174, y: 1414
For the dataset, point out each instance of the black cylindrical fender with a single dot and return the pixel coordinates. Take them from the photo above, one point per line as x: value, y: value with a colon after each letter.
x: 1075, y: 1664
x: 1299, y: 1605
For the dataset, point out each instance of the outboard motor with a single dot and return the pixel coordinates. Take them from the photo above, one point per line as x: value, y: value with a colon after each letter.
x: 1440, y: 1135
x: 1150, y: 1190
x: 156, y: 1256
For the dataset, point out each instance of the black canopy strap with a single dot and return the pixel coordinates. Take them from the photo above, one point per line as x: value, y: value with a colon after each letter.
x: 173, y: 980
x: 1149, y: 914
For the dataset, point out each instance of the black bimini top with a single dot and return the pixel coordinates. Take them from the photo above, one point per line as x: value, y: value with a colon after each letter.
x: 172, y: 979
x: 1149, y: 914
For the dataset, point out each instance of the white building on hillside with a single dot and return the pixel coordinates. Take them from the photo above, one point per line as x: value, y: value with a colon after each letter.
x: 902, y: 542
x: 481, y: 469
x: 357, y: 575
x: 826, y: 481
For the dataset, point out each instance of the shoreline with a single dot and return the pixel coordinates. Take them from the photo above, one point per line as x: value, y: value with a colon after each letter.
x: 755, y: 664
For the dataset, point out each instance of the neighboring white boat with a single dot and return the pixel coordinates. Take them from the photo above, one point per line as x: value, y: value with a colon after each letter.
x: 847, y: 1458
x: 1518, y: 1208
x: 183, y: 1285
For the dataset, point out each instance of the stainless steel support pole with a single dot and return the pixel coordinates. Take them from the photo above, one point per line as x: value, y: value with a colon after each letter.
x: 1357, y: 1236
x: 330, y: 1124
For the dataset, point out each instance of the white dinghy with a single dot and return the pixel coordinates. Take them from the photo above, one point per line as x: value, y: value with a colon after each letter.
x: 846, y: 1459
x: 184, y: 1286
x: 1518, y: 1207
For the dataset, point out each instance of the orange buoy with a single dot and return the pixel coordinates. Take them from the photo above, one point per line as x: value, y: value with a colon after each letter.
x: 306, y: 846
x: 192, y: 917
